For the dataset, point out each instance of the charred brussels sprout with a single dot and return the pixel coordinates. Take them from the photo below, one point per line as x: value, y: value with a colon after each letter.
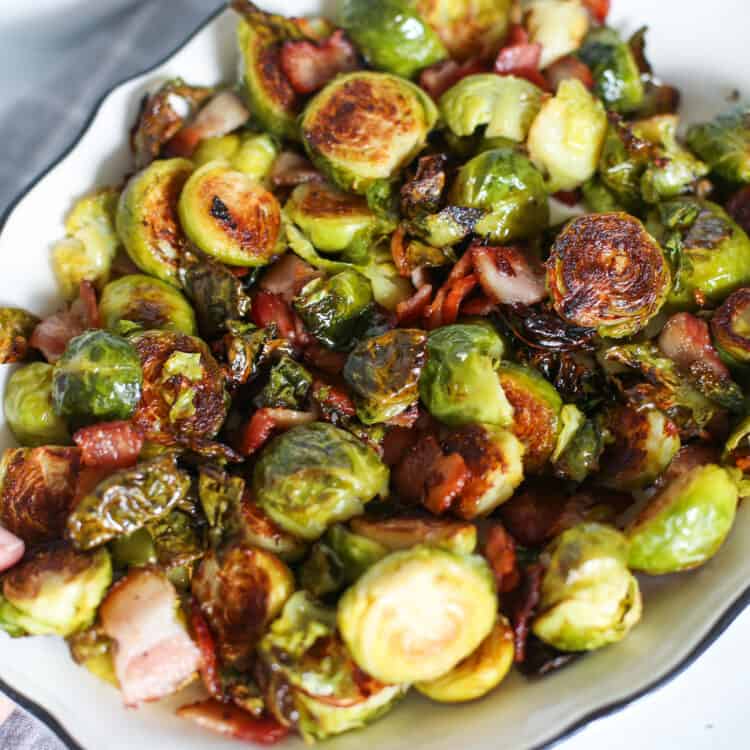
x: 724, y: 144
x: 607, y: 272
x: 589, y: 598
x: 479, y: 673
x: 383, y: 374
x: 459, y: 383
x: 381, y: 617
x: 505, y: 104
x: 147, y: 221
x: 287, y: 387
x: 558, y: 26
x: 364, y: 127
x: 149, y: 302
x: 254, y: 527
x: 55, y: 592
x: 582, y: 454
x: 16, y: 327
x: 230, y: 216
x: 403, y: 533
x: 391, y: 35
x: 506, y: 186
x: 98, y: 378
x: 128, y: 500
x: 314, y: 475
x: 730, y: 327
x: 684, y: 525
x: 566, y: 137
x: 28, y: 407
x: 336, y: 310
x: 308, y: 678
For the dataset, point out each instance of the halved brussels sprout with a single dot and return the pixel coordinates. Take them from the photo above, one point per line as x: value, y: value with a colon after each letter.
x: 506, y: 186
x: 404, y: 533
x: 149, y: 302
x: 478, y: 673
x: 589, y: 598
x: 558, y: 25
x: 248, y: 349
x: 730, y: 326
x: 16, y: 327
x: 308, y: 678
x: 336, y: 310
x: 505, y: 104
x: 381, y: 617
x: 459, y: 384
x: 55, y: 592
x: 128, y: 500
x: 616, y: 75
x: 240, y: 590
x: 684, y: 525
x: 581, y: 455
x: 92, y: 649
x: 287, y: 387
x: 725, y: 144
x: 364, y: 127
x: 314, y: 475
x: 391, y: 35
x: 98, y: 378
x: 642, y: 443
x: 252, y: 154
x: 566, y: 138
x: 230, y: 216
x: 28, y: 407
x: 147, y: 221
x: 383, y: 373
x: 607, y: 272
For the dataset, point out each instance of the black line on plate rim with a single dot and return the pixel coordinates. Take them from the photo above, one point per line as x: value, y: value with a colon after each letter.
x: 54, y: 725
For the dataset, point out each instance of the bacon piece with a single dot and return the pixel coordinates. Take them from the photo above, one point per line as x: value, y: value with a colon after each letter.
x: 334, y: 403
x: 522, y: 60
x: 446, y: 478
x: 517, y: 34
x: 398, y: 251
x: 291, y: 169
x: 271, y: 308
x: 599, y: 9
x: 566, y: 68
x: 397, y: 441
x: 109, y: 445
x: 265, y: 422
x: 568, y: 197
x: 500, y: 551
x: 455, y: 296
x: 411, y: 474
x: 204, y: 639
x: 287, y: 276
x: 438, y: 78
x: 325, y: 360
x: 231, y: 721
x: 51, y: 336
x: 309, y: 66
x: 11, y: 549
x: 87, y: 296
x: 686, y: 339
x: 154, y: 655
x: 521, y: 607
x: 531, y: 513
x: 480, y: 305
x: 507, y: 276
x: 413, y: 308
x: 738, y: 207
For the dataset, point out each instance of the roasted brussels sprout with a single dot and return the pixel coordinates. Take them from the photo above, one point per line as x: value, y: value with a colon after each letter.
x: 724, y: 144
x: 684, y: 525
x: 391, y: 35
x: 252, y: 155
x: 558, y: 26
x: 16, y: 327
x: 287, y: 387
x: 308, y: 678
x: 336, y: 310
x: 459, y: 383
x: 607, y: 272
x: 240, y: 590
x: 403, y: 533
x: 383, y: 373
x: 247, y: 349
x: 581, y: 455
x: 616, y: 75
x: 147, y: 221
x: 589, y: 598
x: 566, y: 138
x: 92, y: 649
x: 97, y: 379
x: 478, y: 673
x: 230, y: 216
x: 128, y: 500
x: 314, y: 475
x: 506, y: 186
x: 381, y: 617
x: 254, y: 527
x: 363, y: 127
x: 28, y: 407
x: 505, y: 104
x: 149, y: 302
x: 184, y: 396
x: 730, y: 326
x: 54, y: 592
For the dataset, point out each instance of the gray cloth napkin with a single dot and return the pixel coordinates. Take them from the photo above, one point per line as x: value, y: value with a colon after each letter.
x: 38, y: 125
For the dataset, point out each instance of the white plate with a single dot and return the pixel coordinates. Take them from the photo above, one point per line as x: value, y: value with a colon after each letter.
x: 694, y: 44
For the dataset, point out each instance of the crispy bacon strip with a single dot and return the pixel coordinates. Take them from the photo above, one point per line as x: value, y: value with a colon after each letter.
x: 11, y: 549
x: 309, y: 65
x: 455, y: 296
x: 231, y: 721
x: 291, y: 169
x: 569, y: 67
x: 265, y: 422
x: 87, y: 297
x: 686, y: 339
x: 507, y: 276
x: 204, y: 639
x: 521, y: 607
x: 325, y: 360
x: 271, y: 308
x: 334, y: 403
x: 599, y: 9
x: 445, y: 480
x: 738, y: 207
x: 522, y: 60
x: 413, y: 308
x: 109, y: 445
x: 287, y: 276
x: 438, y: 78
x: 500, y: 551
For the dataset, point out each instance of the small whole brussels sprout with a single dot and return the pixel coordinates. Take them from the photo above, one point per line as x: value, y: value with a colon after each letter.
x: 403, y: 533
x: 589, y: 598
x: 724, y: 144
x: 314, y: 475
x: 391, y: 35
x: 252, y: 155
x: 336, y: 310
x: 54, y: 592
x: 559, y: 27
x: 381, y: 617
x: 730, y: 326
x: 684, y: 525
x: 353, y: 135
x: 16, y: 327
x: 507, y: 187
x: 97, y: 379
x: 383, y: 373
x: 479, y: 673
x: 149, y: 302
x: 459, y: 383
x: 28, y: 407
x: 607, y: 272
x: 147, y: 221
